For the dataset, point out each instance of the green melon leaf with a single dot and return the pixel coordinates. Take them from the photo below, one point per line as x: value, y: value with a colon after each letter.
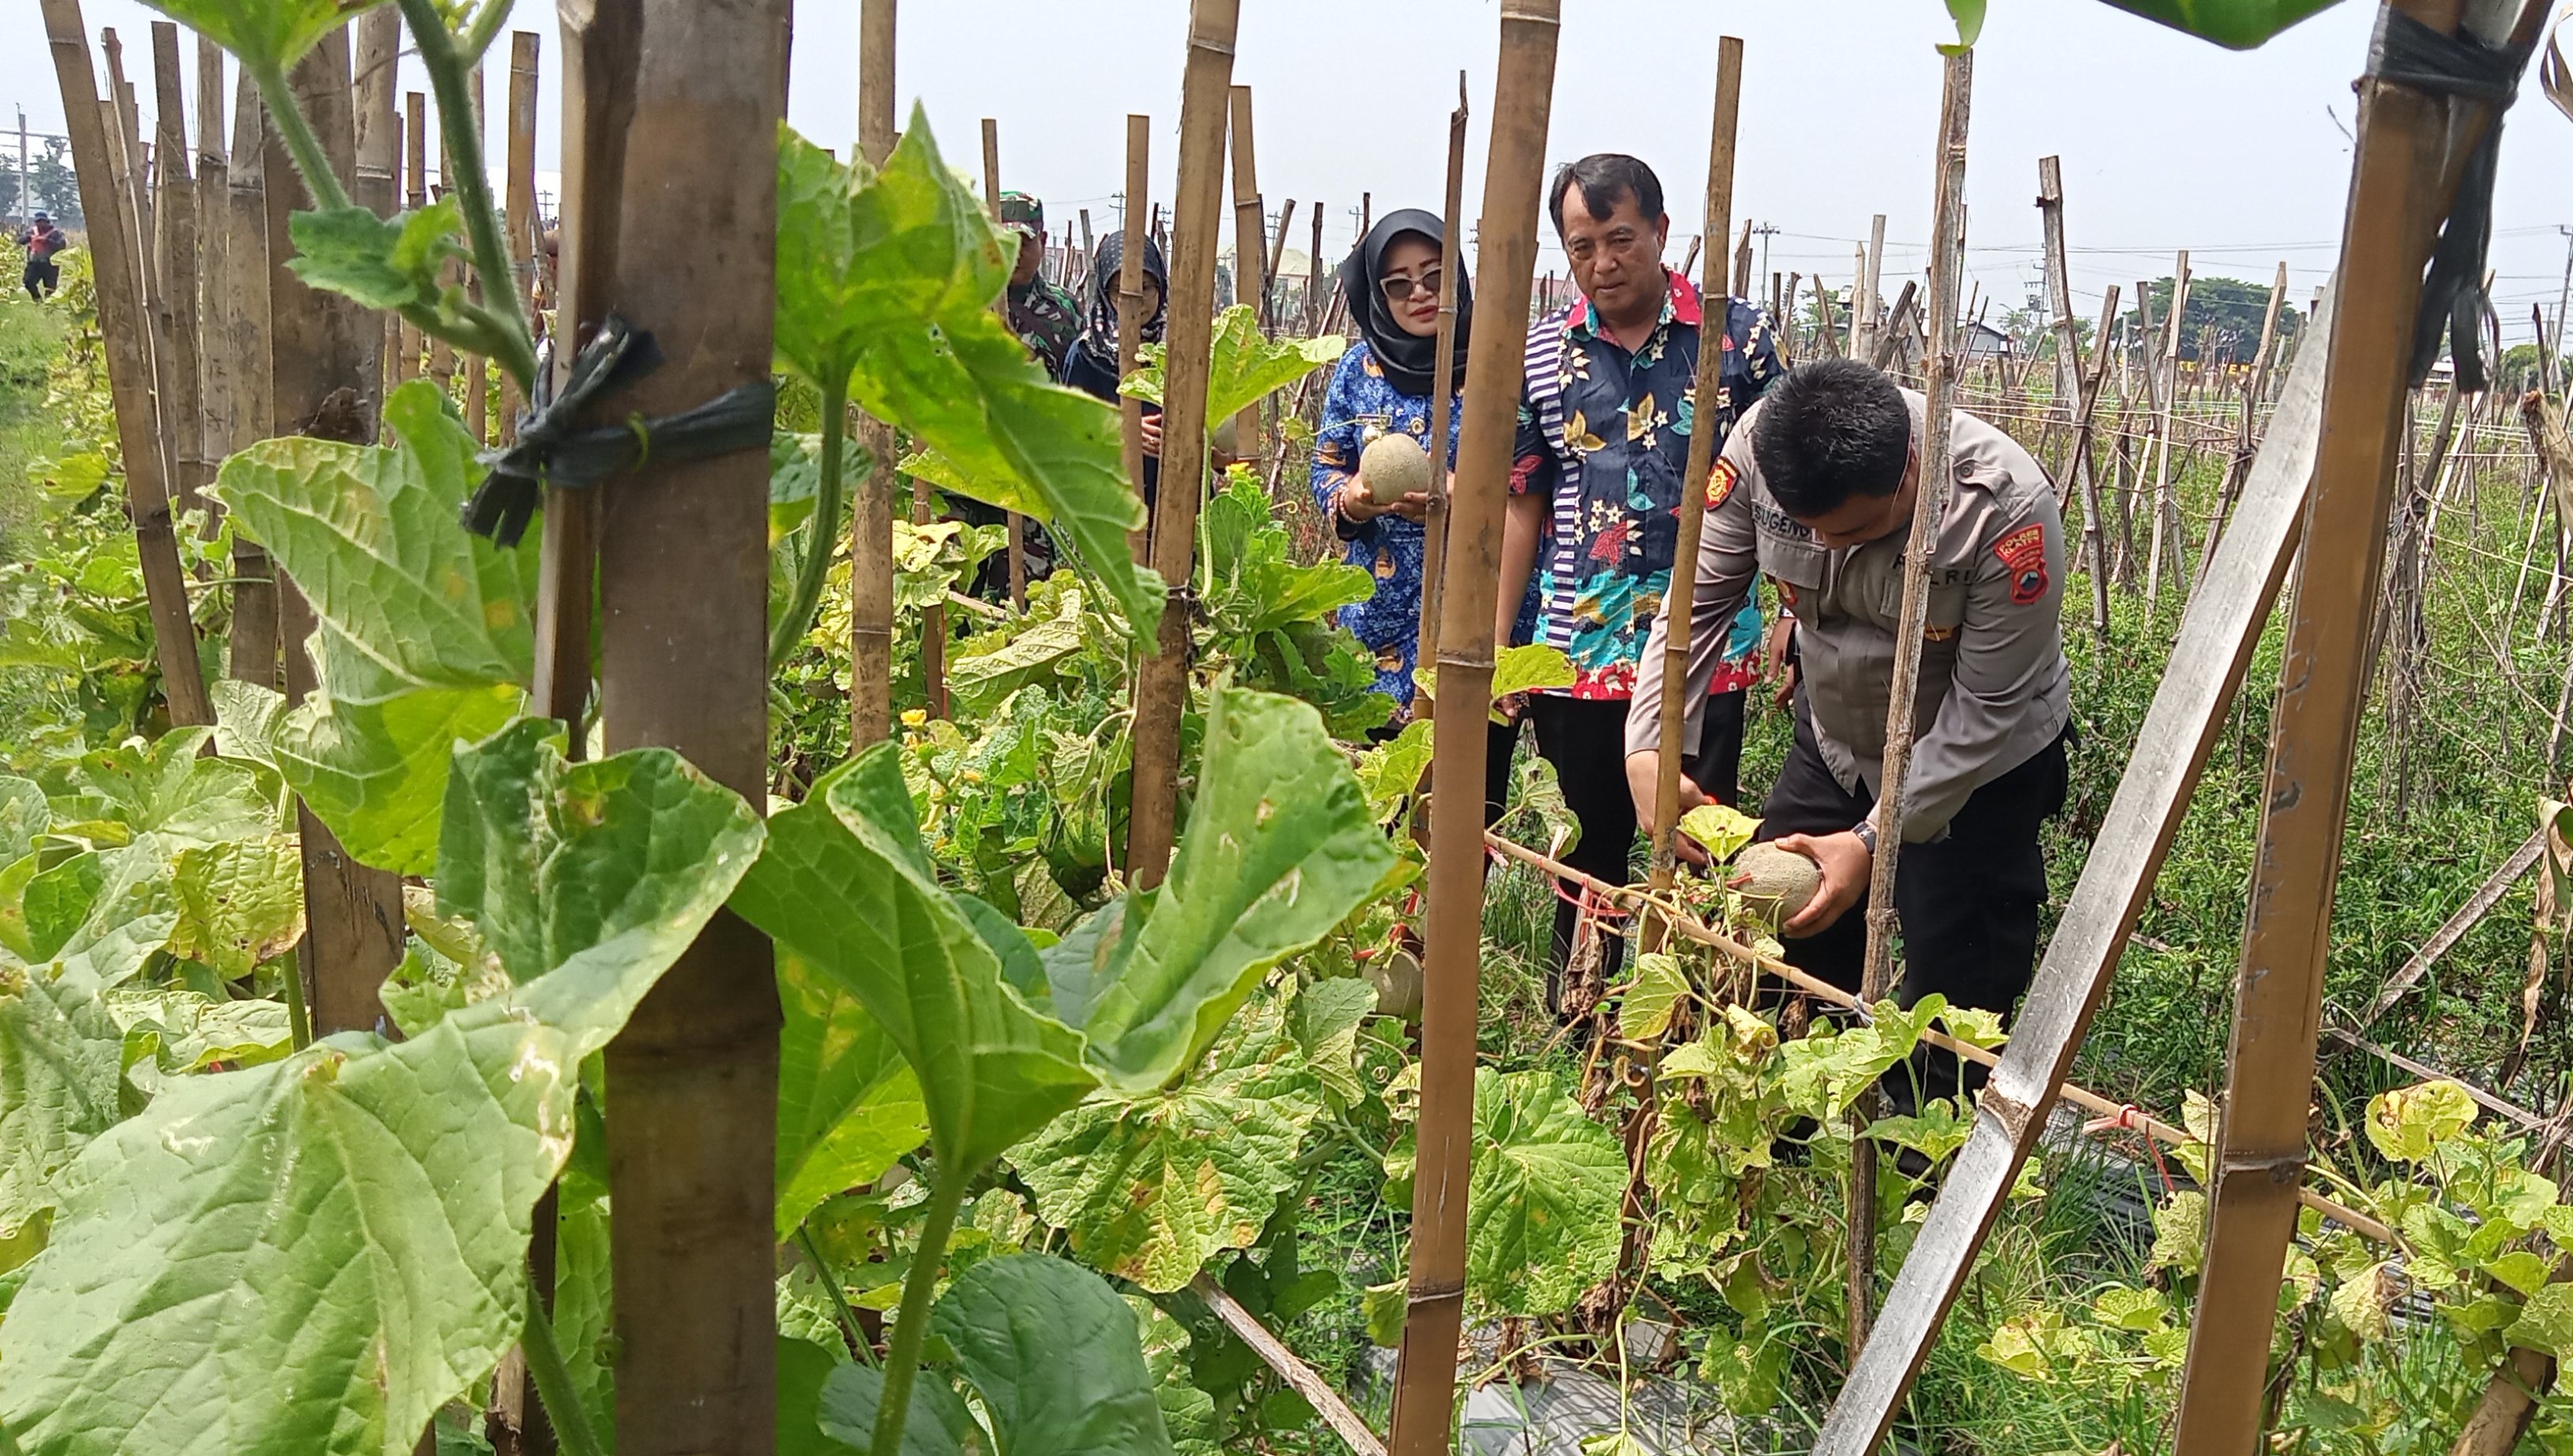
x: 1150, y: 1190
x: 409, y: 598
x: 60, y: 1057
x: 803, y: 1368
x: 377, y: 773
x: 886, y: 278
x: 848, y: 1106
x: 24, y: 814
x: 383, y: 263
x: 269, y: 35
x: 846, y: 884
x: 2234, y: 24
x: 2546, y: 1322
x: 937, y: 1424
x: 240, y: 902
x: 1056, y: 1356
x: 1280, y: 847
x: 1650, y: 999
x: 315, y: 1255
x: 1541, y: 1217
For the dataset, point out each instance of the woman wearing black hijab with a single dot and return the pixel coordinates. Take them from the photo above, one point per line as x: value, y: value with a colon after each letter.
x: 1383, y: 386
x: 1091, y: 366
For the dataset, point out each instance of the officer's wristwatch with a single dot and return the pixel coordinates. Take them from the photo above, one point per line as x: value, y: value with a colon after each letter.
x: 1866, y: 832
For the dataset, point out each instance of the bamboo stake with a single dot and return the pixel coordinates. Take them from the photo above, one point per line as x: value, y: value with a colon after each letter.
x: 2401, y: 187
x: 1680, y: 603
x: 1741, y: 267
x: 1250, y: 280
x: 683, y: 595
x: 129, y: 371
x: 1513, y: 174
x: 250, y: 371
x: 1130, y: 314
x: 871, y: 504
x: 326, y: 353
x: 133, y: 174
x: 1161, y: 681
x: 2165, y: 488
x: 177, y: 247
x: 1313, y: 273
x: 1937, y: 481
x: 1276, y: 257
x: 1017, y: 547
x: 1304, y: 1379
x: 1442, y: 394
x: 406, y: 364
x: 520, y: 203
x: 2095, y: 527
x: 213, y: 194
x: 1870, y: 317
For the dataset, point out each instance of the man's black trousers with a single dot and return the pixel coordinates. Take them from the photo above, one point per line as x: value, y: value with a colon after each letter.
x: 1968, y: 902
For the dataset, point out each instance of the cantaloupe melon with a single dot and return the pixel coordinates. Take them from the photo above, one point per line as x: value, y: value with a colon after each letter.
x: 1394, y: 467
x: 1777, y: 884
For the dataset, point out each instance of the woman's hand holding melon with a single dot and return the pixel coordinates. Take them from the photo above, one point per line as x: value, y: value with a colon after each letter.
x: 1393, y: 475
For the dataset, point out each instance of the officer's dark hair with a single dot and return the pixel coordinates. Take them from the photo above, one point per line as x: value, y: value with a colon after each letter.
x: 1829, y: 430
x: 1604, y: 178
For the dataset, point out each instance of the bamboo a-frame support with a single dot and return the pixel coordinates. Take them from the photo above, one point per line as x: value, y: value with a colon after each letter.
x: 1714, y: 289
x: 871, y: 503
x: 2412, y: 151
x: 684, y: 597
x: 1162, y: 680
x: 115, y: 272
x: 1937, y: 481
x: 1443, y: 383
x: 2074, y: 388
x: 1513, y: 176
x: 2216, y: 637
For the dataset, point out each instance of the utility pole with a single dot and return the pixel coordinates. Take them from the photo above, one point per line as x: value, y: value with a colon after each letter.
x: 27, y: 199
x: 1765, y: 232
x: 2554, y: 351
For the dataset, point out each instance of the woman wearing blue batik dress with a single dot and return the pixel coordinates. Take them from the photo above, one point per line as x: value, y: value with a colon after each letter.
x: 1383, y: 388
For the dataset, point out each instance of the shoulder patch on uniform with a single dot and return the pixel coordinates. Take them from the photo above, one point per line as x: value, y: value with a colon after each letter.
x: 1719, y: 485
x: 2024, y: 552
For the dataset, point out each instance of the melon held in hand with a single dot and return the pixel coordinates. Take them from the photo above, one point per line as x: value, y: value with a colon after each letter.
x: 1775, y: 883
x: 1394, y: 467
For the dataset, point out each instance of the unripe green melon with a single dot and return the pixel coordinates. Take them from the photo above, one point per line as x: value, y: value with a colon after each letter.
x: 1779, y: 883
x: 1394, y: 467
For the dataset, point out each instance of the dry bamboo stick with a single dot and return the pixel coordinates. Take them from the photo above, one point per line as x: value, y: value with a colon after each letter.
x: 176, y: 244
x: 1442, y: 394
x: 1130, y: 312
x: 519, y: 204
x: 1522, y: 105
x: 1250, y: 251
x: 871, y: 505
x: 1208, y: 101
x: 249, y: 375
x: 1680, y: 602
x: 1300, y: 1377
x: 1929, y: 510
x: 1018, y: 527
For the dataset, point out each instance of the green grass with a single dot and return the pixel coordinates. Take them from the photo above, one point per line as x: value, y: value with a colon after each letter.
x: 32, y: 338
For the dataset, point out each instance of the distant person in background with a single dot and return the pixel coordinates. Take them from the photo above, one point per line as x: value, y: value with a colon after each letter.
x: 1089, y: 365
x: 42, y: 241
x: 1383, y: 388
x: 1043, y: 315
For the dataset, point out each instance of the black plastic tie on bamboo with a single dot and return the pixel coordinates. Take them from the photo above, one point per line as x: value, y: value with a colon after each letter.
x: 551, y: 449
x: 2409, y: 53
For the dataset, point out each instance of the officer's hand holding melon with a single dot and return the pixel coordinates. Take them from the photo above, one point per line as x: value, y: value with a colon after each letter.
x: 1844, y: 863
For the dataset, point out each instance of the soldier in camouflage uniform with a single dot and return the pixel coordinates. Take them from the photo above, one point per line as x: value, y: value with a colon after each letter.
x: 1043, y: 315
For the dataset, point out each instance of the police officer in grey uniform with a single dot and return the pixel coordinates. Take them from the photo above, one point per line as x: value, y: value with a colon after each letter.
x: 1816, y: 488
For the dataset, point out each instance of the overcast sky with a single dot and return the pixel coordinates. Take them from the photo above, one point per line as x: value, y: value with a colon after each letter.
x: 2167, y: 142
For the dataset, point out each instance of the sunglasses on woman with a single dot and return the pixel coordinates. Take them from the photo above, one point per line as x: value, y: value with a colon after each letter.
x: 1400, y: 290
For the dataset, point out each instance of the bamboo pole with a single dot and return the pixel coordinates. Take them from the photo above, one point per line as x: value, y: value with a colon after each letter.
x: 1443, y: 391
x: 129, y: 371
x: 213, y: 194
x: 476, y: 370
x: 1313, y: 273
x: 1130, y: 315
x: 133, y: 173
x: 175, y: 243
x: 683, y: 595
x: 1249, y: 253
x: 249, y: 375
x: 2165, y: 488
x: 407, y: 361
x: 1741, y: 267
x: 376, y: 186
x: 520, y: 203
x: 1332, y: 1409
x: 1871, y: 316
x: 1681, y: 600
x: 2094, y: 525
x: 1268, y: 272
x: 1513, y: 174
x: 2400, y: 189
x: 1017, y: 547
x: 1161, y: 681
x: 325, y: 357
x: 1930, y: 510
x: 871, y: 504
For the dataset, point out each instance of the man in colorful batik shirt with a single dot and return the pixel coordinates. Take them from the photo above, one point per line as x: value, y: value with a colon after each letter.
x: 1603, y: 441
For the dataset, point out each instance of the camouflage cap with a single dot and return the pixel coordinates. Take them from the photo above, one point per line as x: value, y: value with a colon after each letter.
x: 1023, y: 213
